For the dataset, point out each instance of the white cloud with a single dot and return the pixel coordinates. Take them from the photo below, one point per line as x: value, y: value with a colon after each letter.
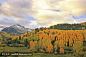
x: 80, y: 20
x: 20, y: 20
x: 33, y: 22
x: 42, y: 11
x: 16, y: 8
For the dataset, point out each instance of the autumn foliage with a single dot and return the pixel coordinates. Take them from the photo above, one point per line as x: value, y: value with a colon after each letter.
x: 50, y: 39
x: 50, y: 48
x: 61, y: 51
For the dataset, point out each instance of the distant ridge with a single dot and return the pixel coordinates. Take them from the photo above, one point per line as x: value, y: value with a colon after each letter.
x: 66, y: 26
x: 17, y: 29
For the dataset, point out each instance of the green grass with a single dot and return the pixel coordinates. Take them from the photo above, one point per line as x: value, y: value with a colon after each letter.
x: 13, y: 49
x: 46, y: 55
x: 52, y: 55
x: 25, y: 49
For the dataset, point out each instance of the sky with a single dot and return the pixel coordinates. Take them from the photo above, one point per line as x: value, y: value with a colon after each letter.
x: 41, y: 13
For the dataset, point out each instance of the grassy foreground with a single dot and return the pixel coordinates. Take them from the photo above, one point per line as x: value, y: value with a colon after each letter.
x: 47, y: 55
x: 25, y: 49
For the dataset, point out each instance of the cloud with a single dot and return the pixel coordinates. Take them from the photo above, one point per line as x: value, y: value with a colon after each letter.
x: 76, y: 7
x: 33, y: 22
x: 80, y: 20
x: 44, y: 11
x: 45, y: 17
x: 7, y: 21
x: 16, y: 8
x: 4, y: 22
x: 20, y: 20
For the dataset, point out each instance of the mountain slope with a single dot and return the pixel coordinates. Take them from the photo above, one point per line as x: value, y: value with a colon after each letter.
x: 4, y: 35
x: 1, y: 28
x: 16, y: 29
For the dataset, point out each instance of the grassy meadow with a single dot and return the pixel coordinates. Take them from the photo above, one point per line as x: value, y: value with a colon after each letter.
x: 25, y: 49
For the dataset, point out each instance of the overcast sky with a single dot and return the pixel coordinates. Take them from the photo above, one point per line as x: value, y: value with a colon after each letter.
x: 41, y: 13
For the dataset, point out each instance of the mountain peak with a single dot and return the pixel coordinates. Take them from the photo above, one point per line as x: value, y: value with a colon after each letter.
x: 17, y: 29
x: 18, y: 25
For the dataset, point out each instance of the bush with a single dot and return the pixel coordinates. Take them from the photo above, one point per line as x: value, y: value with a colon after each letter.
x: 81, y: 54
x: 41, y: 50
x: 28, y: 46
x: 3, y: 45
x: 35, y: 51
x: 20, y: 45
x: 15, y: 45
x: 61, y: 51
x: 11, y: 45
x: 55, y: 53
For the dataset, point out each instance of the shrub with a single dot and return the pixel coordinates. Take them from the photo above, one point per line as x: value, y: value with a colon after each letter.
x: 61, y: 51
x: 28, y: 46
x: 41, y: 50
x: 3, y: 45
x: 55, y: 53
x: 20, y: 45
x: 81, y: 54
x: 35, y: 51
x: 16, y: 45
x: 11, y: 45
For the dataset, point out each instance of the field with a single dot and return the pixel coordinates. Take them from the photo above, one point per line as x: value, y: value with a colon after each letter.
x: 25, y: 49
x: 13, y: 49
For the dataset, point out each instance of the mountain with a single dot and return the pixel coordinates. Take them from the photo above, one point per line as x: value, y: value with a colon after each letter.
x: 2, y: 27
x: 16, y: 29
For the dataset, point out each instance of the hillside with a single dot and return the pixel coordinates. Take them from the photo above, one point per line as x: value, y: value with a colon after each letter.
x: 84, y: 23
x: 65, y: 26
x: 16, y: 30
x: 4, y: 35
x: 49, y: 41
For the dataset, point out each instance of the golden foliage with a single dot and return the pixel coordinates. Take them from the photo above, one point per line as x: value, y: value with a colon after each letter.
x: 61, y: 51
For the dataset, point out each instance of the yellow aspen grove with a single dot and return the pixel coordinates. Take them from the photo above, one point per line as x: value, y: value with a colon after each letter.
x: 78, y: 46
x: 61, y: 51
x: 31, y: 45
x: 50, y: 48
x: 55, y: 47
